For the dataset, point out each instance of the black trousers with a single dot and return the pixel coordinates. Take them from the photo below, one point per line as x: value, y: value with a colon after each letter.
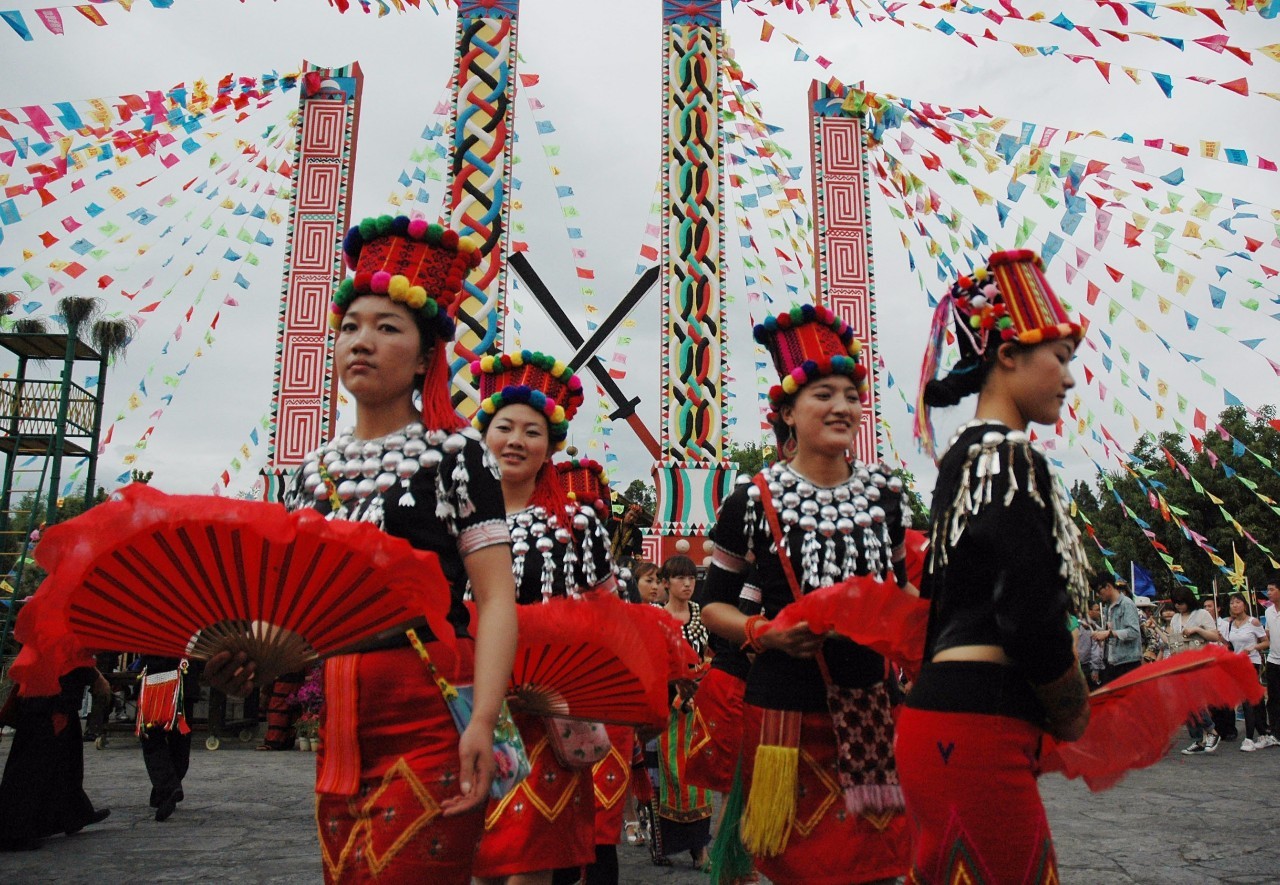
x: 1273, y: 696
x: 1112, y: 672
x: 167, y: 755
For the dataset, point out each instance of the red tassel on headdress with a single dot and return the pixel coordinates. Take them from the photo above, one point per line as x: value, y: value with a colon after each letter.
x: 1132, y: 720
x: 547, y: 491
x: 438, y: 412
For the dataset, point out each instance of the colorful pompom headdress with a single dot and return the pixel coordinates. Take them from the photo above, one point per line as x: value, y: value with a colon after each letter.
x: 1008, y: 300
x: 807, y: 343
x: 422, y: 266
x: 533, y: 379
x: 585, y: 484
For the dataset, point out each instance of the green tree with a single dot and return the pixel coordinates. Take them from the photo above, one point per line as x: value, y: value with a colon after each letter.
x: 1179, y: 504
x: 642, y: 494
x: 751, y: 458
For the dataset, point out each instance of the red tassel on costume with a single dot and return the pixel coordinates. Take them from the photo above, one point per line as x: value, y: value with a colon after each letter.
x: 1133, y: 720
x: 877, y: 614
x: 438, y: 412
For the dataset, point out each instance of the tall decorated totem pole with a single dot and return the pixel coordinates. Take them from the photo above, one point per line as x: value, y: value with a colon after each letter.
x: 479, y: 206
x: 303, y: 400
x: 692, y: 478
x: 845, y: 271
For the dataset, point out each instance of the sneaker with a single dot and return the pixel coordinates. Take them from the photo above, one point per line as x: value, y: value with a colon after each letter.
x: 1211, y: 742
x: 1266, y: 740
x: 1247, y: 746
x: 1197, y: 747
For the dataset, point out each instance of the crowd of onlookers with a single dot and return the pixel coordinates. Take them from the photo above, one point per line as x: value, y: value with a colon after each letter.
x: 1120, y: 631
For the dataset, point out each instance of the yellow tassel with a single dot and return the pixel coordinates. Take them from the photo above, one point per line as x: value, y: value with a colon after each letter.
x: 771, y: 803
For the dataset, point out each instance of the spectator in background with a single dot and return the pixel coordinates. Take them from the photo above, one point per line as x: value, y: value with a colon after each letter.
x: 1243, y: 634
x: 649, y: 582
x: 1088, y: 651
x: 1224, y: 719
x: 1154, y: 644
x: 1121, y: 634
x: 1190, y: 628
x: 1272, y: 622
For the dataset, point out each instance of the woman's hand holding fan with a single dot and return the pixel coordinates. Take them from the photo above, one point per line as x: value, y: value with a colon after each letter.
x: 200, y: 576
x: 877, y: 614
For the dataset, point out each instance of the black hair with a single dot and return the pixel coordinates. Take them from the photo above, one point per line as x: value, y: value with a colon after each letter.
x: 1274, y: 581
x: 679, y: 566
x: 1100, y: 580
x: 1182, y: 596
x: 967, y: 377
x: 644, y: 567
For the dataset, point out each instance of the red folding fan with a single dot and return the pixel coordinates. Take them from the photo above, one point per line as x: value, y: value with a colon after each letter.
x: 592, y: 658
x: 877, y: 614
x: 1133, y: 720
x: 191, y: 576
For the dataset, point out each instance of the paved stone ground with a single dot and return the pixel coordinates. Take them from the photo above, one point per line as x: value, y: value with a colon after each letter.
x: 248, y: 819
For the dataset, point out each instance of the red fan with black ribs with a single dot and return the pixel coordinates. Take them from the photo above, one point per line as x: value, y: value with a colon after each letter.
x: 595, y: 658
x: 192, y: 576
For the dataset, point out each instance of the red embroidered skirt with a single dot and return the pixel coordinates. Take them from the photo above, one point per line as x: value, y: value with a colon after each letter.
x: 545, y: 823
x: 970, y: 784
x: 611, y: 779
x: 719, y: 700
x: 391, y: 831
x: 828, y: 845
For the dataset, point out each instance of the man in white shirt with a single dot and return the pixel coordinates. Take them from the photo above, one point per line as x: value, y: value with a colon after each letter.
x: 1272, y: 616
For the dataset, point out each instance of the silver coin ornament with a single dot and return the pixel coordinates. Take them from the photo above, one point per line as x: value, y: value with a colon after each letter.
x: 846, y: 509
x: 385, y: 481
x: 321, y: 492
x: 395, y: 442
x: 841, y: 493
x: 310, y: 482
x: 366, y: 487
x: 860, y: 503
x: 352, y: 450
x: 844, y: 525
x: 406, y: 468
x: 414, y: 447
x: 524, y: 519
x: 805, y: 489
x: 545, y: 544
x: 346, y: 490
x: 809, y: 507
x: 455, y: 443
x: 563, y: 535
x: 862, y: 519
x: 753, y: 492
x: 789, y: 517
x: 895, y: 484
x: 808, y: 523
x: 775, y: 489
x: 431, y: 458
x: 825, y: 496
x: 414, y: 430
x: 519, y: 534
x: 371, y: 467
x: 826, y: 528
x: 877, y: 514
x: 580, y: 522
x: 791, y: 499
x: 519, y: 548
x: 330, y: 457
x: 391, y: 459
x: 311, y: 468
x: 828, y: 512
x: 873, y: 494
x: 879, y: 480
x: 437, y: 437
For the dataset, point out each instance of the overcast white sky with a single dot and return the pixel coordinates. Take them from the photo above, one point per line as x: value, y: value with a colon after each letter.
x: 600, y: 85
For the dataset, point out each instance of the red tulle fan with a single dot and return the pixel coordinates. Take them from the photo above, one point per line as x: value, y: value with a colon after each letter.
x: 917, y: 547
x: 1133, y: 720
x: 592, y: 658
x: 191, y: 576
x: 877, y: 614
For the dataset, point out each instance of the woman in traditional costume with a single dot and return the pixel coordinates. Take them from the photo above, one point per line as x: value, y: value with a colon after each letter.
x: 682, y: 819
x: 401, y: 794
x: 527, y: 401
x: 1004, y: 559
x: 823, y: 803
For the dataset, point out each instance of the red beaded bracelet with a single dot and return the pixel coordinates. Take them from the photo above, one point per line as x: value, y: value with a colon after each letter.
x: 752, y: 632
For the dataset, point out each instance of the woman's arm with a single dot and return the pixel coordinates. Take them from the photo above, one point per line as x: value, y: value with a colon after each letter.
x: 493, y: 587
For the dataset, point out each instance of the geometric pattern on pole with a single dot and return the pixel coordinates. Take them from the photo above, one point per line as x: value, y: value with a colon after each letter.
x: 303, y: 402
x: 693, y: 478
x: 483, y: 123
x: 845, y: 269
x: 692, y: 235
